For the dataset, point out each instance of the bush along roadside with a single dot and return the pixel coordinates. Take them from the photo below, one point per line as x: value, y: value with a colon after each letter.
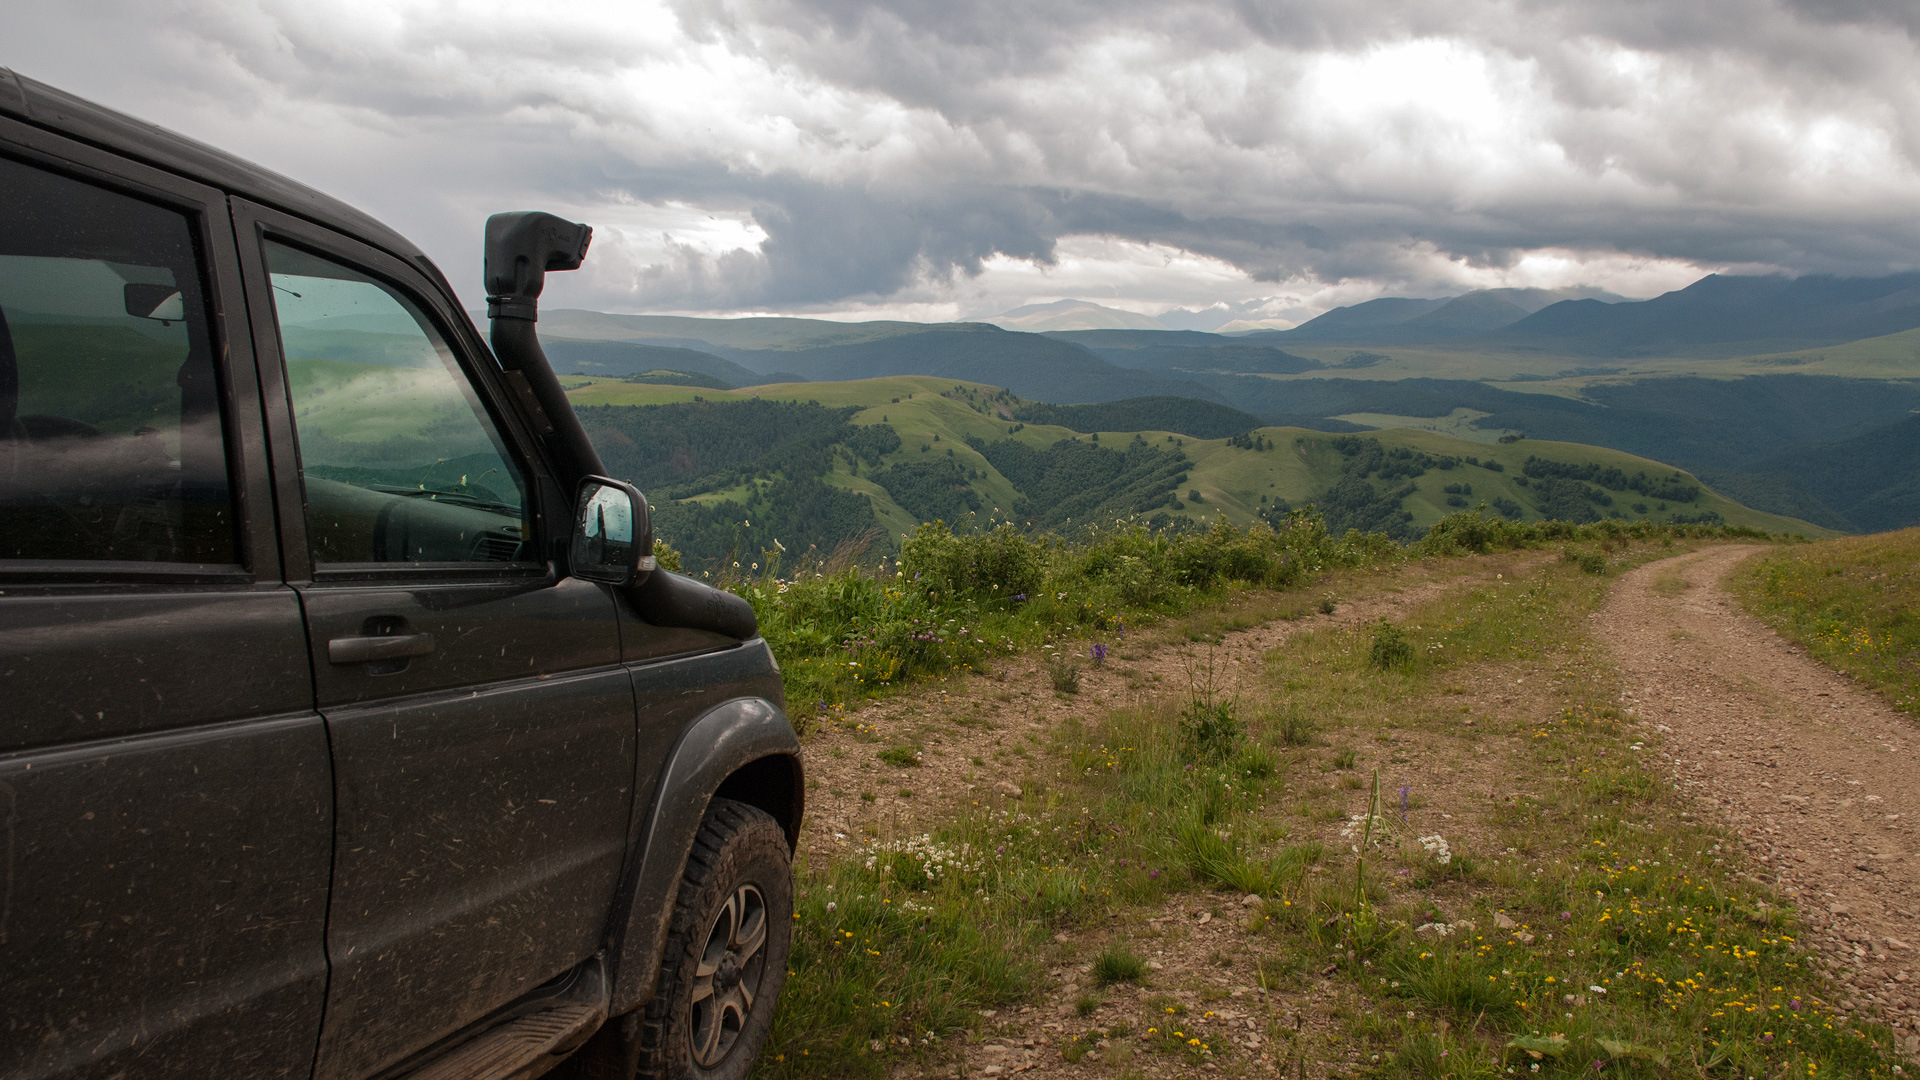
x: 954, y: 603
x: 1527, y: 901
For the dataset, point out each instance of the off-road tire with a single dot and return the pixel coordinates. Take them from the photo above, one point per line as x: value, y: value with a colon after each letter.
x: 738, y: 847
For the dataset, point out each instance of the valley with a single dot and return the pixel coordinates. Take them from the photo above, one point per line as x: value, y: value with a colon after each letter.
x: 1791, y: 397
x: 871, y: 459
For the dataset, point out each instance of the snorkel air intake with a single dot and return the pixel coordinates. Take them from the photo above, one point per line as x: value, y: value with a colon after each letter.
x: 521, y: 248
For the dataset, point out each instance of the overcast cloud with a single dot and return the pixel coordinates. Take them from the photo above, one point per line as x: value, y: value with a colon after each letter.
x: 945, y: 158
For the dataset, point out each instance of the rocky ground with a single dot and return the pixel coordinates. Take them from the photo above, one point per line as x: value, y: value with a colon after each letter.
x: 1813, y: 772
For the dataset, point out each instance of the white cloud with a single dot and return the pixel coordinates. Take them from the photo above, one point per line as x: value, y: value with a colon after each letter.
x: 967, y: 157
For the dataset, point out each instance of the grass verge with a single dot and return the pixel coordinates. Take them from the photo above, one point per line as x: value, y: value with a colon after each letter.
x: 1851, y: 602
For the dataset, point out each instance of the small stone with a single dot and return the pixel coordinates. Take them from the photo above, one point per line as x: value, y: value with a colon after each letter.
x: 1155, y: 965
x: 1010, y: 790
x: 1501, y: 921
x: 1839, y: 909
x: 1896, y: 943
x: 1250, y: 900
x: 1206, y: 917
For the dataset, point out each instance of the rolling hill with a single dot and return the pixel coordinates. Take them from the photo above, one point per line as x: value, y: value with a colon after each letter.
x: 1741, y: 421
x: 861, y: 462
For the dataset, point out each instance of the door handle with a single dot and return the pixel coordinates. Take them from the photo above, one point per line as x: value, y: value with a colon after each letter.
x: 365, y: 650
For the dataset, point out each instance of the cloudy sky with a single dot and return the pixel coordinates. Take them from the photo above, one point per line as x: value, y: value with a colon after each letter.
x: 954, y: 158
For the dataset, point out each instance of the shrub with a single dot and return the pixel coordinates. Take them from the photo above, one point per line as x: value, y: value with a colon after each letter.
x: 1391, y: 648
x: 994, y: 566
x: 1593, y: 562
x: 1064, y: 674
x: 1208, y: 729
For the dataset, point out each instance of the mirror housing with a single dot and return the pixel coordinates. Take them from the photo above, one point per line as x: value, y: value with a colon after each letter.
x: 612, y: 533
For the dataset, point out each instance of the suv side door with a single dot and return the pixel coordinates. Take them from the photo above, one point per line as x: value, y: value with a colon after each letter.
x: 165, y: 803
x: 482, y: 727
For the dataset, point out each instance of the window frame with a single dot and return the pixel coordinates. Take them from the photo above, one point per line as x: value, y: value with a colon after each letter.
x: 255, y: 225
x: 249, y: 486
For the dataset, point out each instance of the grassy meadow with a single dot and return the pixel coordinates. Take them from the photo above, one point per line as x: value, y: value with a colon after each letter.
x: 1852, y: 602
x: 1564, y: 916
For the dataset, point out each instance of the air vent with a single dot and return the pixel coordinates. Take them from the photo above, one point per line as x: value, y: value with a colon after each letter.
x: 496, y: 547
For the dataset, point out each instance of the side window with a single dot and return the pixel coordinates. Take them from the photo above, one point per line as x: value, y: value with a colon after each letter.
x: 110, y: 436
x: 400, y: 461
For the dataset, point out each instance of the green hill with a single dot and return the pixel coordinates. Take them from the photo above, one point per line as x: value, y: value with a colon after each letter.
x: 861, y: 463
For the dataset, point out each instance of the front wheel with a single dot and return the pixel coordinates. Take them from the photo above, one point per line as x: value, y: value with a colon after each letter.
x: 726, y: 952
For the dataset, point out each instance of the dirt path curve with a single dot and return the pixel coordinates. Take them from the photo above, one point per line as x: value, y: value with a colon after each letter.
x: 980, y: 736
x: 1816, y: 775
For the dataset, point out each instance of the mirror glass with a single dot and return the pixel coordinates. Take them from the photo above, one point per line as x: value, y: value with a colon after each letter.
x: 161, y: 302
x: 603, y: 534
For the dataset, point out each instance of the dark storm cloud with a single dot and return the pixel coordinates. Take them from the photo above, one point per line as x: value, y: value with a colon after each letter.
x: 878, y: 151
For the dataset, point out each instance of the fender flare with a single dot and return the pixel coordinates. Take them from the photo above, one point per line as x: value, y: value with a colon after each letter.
x: 750, y: 734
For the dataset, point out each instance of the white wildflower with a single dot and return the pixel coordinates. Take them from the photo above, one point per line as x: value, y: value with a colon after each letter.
x: 1436, y: 846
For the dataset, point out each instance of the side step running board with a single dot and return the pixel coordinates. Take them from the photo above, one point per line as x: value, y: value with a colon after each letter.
x: 532, y: 1042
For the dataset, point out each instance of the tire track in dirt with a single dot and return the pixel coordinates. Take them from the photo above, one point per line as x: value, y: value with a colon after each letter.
x: 1815, y: 774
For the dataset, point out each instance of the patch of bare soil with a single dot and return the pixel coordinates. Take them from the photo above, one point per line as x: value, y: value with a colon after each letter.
x: 985, y: 738
x: 1814, y: 773
x: 979, y: 737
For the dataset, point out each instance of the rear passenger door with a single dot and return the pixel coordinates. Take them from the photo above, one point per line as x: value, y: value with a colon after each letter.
x: 481, y: 724
x: 165, y: 800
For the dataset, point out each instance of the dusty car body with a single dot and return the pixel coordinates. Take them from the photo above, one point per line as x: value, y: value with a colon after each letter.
x: 346, y: 728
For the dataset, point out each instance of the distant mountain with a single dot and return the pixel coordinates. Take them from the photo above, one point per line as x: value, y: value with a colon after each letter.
x: 1360, y: 322
x: 1403, y: 320
x: 1186, y: 353
x: 1726, y: 315
x: 750, y: 334
x: 571, y: 357
x: 778, y: 349
x: 1031, y: 365
x: 1072, y: 315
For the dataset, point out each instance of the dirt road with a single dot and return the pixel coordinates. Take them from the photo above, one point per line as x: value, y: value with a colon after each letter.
x: 1815, y: 774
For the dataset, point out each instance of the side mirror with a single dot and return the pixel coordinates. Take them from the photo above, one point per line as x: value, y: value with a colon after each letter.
x: 161, y: 302
x: 612, y: 533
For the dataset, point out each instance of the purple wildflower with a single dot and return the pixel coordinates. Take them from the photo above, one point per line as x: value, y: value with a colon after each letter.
x: 1098, y: 652
x: 1153, y: 874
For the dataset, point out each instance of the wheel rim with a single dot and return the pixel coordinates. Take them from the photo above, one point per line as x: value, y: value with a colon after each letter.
x: 728, y: 976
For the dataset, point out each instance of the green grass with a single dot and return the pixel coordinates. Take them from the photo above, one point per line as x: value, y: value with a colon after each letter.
x: 1604, y: 882
x: 1118, y: 964
x: 966, y: 603
x: 1234, y: 482
x: 1854, y: 603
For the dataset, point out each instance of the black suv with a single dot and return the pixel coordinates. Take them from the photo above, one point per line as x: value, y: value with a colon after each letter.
x: 347, y: 729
